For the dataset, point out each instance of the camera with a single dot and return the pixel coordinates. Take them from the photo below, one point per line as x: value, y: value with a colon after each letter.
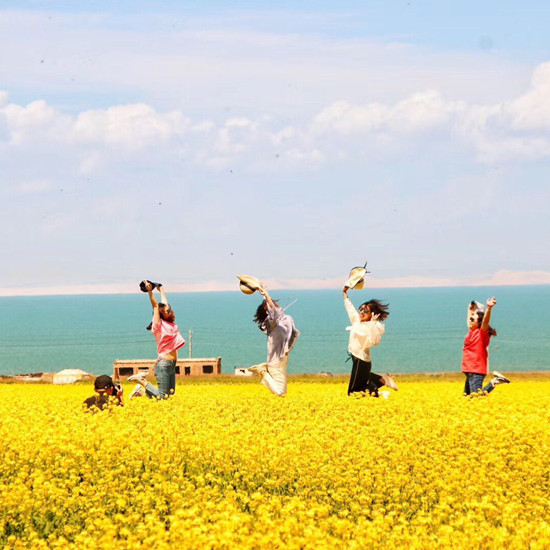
x: 144, y: 289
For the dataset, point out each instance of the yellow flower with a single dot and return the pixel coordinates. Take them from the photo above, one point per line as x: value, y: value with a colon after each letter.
x: 225, y: 465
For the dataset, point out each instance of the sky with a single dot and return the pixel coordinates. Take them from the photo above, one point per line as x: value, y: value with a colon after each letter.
x: 189, y: 142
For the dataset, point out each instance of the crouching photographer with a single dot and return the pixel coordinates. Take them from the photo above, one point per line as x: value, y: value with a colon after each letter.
x: 108, y: 392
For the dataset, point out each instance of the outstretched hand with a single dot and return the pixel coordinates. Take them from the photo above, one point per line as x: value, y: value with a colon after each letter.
x: 491, y: 302
x: 148, y: 286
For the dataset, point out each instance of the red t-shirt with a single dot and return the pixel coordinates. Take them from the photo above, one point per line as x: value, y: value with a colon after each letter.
x: 475, y: 352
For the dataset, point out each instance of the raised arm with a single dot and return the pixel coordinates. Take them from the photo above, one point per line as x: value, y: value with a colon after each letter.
x: 350, y: 308
x: 163, y: 297
x: 267, y: 297
x: 156, y: 314
x: 491, y: 303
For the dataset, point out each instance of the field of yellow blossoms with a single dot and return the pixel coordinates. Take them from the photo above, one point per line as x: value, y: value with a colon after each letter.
x: 228, y: 465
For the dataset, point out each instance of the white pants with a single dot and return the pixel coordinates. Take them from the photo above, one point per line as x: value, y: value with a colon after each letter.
x: 274, y: 378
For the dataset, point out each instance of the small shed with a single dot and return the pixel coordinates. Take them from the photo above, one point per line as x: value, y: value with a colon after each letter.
x: 243, y: 371
x: 70, y: 376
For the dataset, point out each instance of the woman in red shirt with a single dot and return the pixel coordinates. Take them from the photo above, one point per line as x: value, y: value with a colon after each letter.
x: 475, y: 352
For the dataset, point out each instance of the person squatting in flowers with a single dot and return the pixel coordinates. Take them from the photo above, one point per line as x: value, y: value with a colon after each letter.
x: 366, y: 332
x: 168, y: 339
x: 281, y: 338
x: 475, y: 352
x: 108, y: 392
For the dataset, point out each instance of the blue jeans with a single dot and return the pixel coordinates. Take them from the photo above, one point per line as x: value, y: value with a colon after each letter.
x: 474, y: 382
x: 165, y: 373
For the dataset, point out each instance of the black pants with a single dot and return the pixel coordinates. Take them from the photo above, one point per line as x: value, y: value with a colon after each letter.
x: 362, y: 379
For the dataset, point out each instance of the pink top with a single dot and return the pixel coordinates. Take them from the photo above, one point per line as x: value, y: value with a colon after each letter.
x: 167, y: 336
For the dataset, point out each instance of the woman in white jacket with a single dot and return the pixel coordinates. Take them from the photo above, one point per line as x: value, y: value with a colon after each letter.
x: 366, y: 332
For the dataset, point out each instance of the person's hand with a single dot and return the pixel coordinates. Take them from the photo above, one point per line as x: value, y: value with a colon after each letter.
x: 148, y: 286
x: 491, y: 302
x: 263, y: 290
x: 345, y: 291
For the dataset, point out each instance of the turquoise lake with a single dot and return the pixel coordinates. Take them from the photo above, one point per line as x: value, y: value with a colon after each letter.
x: 424, y: 332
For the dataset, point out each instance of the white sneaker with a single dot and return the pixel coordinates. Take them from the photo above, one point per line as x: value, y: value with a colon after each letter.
x: 389, y: 381
x: 257, y: 369
x: 499, y: 378
x: 138, y: 391
x: 140, y: 378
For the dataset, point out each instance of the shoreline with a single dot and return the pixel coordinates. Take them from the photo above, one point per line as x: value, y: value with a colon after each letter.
x: 39, y: 378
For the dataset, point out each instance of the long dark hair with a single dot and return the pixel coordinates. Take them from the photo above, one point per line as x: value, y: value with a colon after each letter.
x: 261, y: 315
x: 376, y: 307
x: 162, y: 307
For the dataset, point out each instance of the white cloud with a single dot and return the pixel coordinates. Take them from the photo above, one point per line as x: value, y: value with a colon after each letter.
x: 236, y: 137
x: 342, y: 130
x: 492, y: 130
x: 420, y: 112
x: 135, y: 126
x: 286, y: 135
x: 531, y: 111
x: 346, y: 118
x: 37, y: 121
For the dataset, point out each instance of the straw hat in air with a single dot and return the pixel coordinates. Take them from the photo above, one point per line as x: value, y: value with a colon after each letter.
x: 249, y: 284
x: 356, y: 278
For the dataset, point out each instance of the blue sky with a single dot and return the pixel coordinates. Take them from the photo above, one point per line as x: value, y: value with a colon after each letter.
x: 190, y: 142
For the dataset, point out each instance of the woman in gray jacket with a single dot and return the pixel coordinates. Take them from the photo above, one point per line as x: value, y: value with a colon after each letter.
x: 281, y: 338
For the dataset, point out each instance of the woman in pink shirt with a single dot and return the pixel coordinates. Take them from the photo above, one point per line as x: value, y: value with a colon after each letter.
x: 169, y: 340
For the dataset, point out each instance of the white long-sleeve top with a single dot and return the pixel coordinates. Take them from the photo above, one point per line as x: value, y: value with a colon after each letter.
x: 363, y: 336
x: 281, y: 333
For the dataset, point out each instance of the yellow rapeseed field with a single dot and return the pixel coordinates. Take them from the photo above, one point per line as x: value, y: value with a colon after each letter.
x: 227, y: 465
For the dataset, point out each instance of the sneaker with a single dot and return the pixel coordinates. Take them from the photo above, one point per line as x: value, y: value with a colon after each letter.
x: 138, y: 391
x: 257, y: 369
x: 140, y: 378
x: 499, y: 378
x: 389, y: 381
